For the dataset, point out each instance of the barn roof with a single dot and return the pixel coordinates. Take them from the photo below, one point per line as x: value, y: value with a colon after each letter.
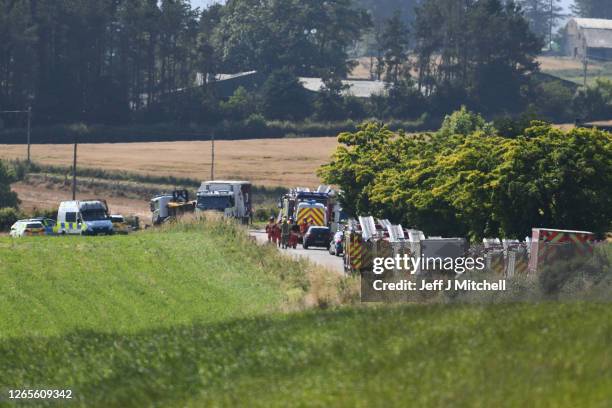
x: 597, y: 32
x: 358, y: 88
x: 594, y: 23
x: 596, y: 38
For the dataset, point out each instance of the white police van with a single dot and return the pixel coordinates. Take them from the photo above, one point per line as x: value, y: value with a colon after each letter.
x: 88, y: 217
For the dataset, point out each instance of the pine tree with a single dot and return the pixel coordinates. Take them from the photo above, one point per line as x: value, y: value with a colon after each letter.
x: 543, y: 16
x: 593, y: 8
x: 395, y: 40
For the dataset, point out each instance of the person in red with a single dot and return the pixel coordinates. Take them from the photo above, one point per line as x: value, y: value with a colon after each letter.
x: 304, y: 227
x: 270, y: 229
x: 276, y: 234
x: 294, y: 234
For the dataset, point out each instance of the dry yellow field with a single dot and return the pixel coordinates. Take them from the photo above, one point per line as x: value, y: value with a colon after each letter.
x: 268, y: 162
x: 559, y: 63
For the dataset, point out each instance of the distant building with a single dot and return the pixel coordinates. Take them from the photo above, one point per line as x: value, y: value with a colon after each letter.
x: 226, y: 84
x: 359, y: 88
x: 590, y: 38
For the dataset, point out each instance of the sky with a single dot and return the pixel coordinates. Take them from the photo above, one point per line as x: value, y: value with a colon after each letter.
x: 205, y: 3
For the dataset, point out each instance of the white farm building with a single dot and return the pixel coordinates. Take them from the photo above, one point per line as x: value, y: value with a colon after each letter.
x: 590, y: 38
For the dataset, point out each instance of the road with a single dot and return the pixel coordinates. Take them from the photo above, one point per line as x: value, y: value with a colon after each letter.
x: 319, y: 256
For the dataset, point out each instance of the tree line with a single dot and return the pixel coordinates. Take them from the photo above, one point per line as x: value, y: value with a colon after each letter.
x: 469, y: 179
x: 146, y: 61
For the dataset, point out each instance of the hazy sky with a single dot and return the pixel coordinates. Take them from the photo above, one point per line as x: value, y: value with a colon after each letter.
x: 204, y: 3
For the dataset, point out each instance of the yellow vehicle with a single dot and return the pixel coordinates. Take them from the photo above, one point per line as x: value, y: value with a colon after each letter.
x: 120, y: 226
x: 171, y: 206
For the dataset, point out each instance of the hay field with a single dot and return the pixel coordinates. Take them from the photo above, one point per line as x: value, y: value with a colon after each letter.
x: 266, y: 162
x: 572, y: 70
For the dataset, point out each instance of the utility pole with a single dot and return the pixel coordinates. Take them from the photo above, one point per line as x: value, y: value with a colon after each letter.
x: 585, y: 64
x: 29, y: 130
x: 74, y: 171
x: 212, y: 162
x: 551, y: 26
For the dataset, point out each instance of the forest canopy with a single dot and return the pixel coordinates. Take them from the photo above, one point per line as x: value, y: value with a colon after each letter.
x: 465, y: 180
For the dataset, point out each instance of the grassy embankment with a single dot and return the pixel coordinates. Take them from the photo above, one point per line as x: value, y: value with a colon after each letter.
x: 197, y: 316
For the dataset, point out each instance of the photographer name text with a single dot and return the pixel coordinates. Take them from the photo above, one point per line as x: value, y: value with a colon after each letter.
x: 440, y: 285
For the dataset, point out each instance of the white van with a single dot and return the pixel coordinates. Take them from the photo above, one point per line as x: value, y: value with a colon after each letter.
x: 83, y: 218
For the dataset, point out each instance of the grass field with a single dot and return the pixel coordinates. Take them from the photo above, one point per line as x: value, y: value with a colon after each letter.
x: 197, y: 315
x: 145, y: 280
x: 265, y: 162
x: 573, y: 70
x: 513, y: 355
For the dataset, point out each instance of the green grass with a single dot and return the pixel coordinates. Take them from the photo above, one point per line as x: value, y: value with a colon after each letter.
x: 195, y: 315
x: 206, y: 273
x: 503, y: 355
x: 595, y: 70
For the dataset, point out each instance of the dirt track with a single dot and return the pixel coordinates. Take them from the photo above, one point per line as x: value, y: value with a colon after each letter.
x: 42, y: 197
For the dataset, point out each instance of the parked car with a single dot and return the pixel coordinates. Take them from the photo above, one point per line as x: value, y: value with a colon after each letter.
x: 317, y: 237
x: 23, y: 228
x: 120, y: 226
x: 47, y: 223
x: 335, y: 246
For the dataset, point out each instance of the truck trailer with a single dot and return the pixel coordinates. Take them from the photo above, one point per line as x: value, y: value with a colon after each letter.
x: 230, y: 197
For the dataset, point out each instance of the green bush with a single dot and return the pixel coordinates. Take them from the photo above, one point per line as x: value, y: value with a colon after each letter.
x: 7, y: 197
x: 554, y: 101
x: 240, y: 105
x: 595, y: 101
x: 464, y: 122
x: 477, y: 184
x: 284, y: 97
x: 255, y: 125
x: 264, y: 214
x: 8, y: 216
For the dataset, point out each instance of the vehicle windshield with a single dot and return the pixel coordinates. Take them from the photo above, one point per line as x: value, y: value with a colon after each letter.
x: 94, y: 215
x: 116, y: 219
x: 212, y: 202
x: 319, y: 231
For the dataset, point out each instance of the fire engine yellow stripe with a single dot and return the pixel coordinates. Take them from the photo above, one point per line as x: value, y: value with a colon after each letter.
x: 316, y: 214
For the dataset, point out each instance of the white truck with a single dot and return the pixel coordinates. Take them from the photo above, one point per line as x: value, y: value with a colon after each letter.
x: 232, y: 198
x: 88, y: 217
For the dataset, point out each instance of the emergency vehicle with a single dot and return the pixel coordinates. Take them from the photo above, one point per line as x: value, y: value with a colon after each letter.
x: 88, y: 217
x: 230, y: 197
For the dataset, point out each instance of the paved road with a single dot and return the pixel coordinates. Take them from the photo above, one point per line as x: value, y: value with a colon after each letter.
x: 318, y: 256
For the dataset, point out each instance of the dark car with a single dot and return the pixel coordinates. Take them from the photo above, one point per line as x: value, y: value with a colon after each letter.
x: 317, y: 237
